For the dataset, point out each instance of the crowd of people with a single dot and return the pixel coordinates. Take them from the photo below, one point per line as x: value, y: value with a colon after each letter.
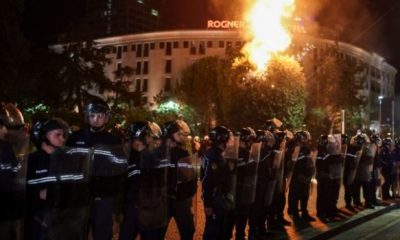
x: 77, y: 185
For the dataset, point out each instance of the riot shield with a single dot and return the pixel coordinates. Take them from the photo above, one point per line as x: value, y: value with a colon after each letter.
x: 109, y: 167
x: 278, y: 164
x: 12, y: 190
x: 186, y: 176
x: 230, y: 155
x: 275, y: 181
x: 291, y: 162
x: 152, y: 193
x: 396, y: 181
x: 335, y: 163
x: 351, y: 164
x: 68, y: 195
x: 247, y: 176
x: 366, y: 162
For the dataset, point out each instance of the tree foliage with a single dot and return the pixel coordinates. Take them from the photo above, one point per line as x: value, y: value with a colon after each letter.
x: 334, y: 87
x: 232, y: 96
x: 205, y: 86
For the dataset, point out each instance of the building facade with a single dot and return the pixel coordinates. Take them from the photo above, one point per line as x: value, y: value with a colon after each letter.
x: 121, y: 17
x: 159, y: 59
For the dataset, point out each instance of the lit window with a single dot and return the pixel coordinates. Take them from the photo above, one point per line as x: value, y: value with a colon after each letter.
x: 154, y: 12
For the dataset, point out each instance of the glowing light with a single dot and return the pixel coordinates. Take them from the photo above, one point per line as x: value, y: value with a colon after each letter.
x: 266, y: 31
x: 168, y: 106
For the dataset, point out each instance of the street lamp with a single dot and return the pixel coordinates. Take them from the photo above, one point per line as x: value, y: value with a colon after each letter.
x: 380, y: 114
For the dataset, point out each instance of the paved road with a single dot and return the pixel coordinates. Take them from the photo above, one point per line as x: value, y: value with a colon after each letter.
x: 385, y: 227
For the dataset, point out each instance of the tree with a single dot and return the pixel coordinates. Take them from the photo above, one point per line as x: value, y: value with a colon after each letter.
x: 205, y: 86
x: 67, y: 79
x: 279, y: 93
x: 13, y: 50
x: 332, y: 88
x: 232, y: 96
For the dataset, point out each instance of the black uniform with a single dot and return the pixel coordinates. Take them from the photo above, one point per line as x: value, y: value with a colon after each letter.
x: 103, y: 189
x: 217, y: 196
x: 182, y: 185
x: 322, y: 175
x: 363, y: 180
x: 11, y: 198
x: 350, y: 166
x: 152, y: 193
x: 386, y: 161
x: 130, y: 225
x: 299, y: 189
x: 246, y: 172
x: 38, y: 179
x: 259, y: 208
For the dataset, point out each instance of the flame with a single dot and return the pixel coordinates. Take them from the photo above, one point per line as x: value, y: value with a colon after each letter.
x: 266, y: 32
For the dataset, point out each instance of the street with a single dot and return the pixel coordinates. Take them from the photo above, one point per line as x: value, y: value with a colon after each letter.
x: 385, y: 227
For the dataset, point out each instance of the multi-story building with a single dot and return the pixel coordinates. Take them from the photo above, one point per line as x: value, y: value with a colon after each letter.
x: 120, y: 17
x: 159, y: 58
x: 377, y: 77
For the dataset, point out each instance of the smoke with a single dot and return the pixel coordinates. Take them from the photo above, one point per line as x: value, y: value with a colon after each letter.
x: 233, y: 9
x: 353, y: 21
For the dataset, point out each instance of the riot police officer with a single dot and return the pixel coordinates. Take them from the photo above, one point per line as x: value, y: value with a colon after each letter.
x: 247, y: 165
x: 329, y: 170
x: 322, y: 176
x: 144, y: 138
x: 351, y: 162
x: 182, y: 180
x: 386, y: 159
x: 12, y: 174
x: 299, y: 189
x: 47, y: 135
x: 364, y: 172
x: 264, y: 185
x: 137, y: 133
x: 152, y: 202
x: 103, y: 189
x: 219, y: 185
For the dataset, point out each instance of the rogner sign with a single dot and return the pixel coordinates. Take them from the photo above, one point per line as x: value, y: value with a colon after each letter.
x: 225, y: 24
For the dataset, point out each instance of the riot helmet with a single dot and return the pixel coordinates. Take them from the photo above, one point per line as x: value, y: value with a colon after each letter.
x: 359, y: 140
x: 42, y: 127
x: 302, y: 136
x: 247, y: 135
x: 376, y: 139
x: 266, y: 137
x: 279, y: 135
x: 387, y: 142
x: 272, y: 124
x: 140, y: 130
x: 171, y: 127
x: 97, y: 107
x: 219, y: 135
x: 11, y: 117
x: 322, y: 141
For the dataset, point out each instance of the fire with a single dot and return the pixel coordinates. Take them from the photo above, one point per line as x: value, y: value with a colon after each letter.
x: 266, y: 33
